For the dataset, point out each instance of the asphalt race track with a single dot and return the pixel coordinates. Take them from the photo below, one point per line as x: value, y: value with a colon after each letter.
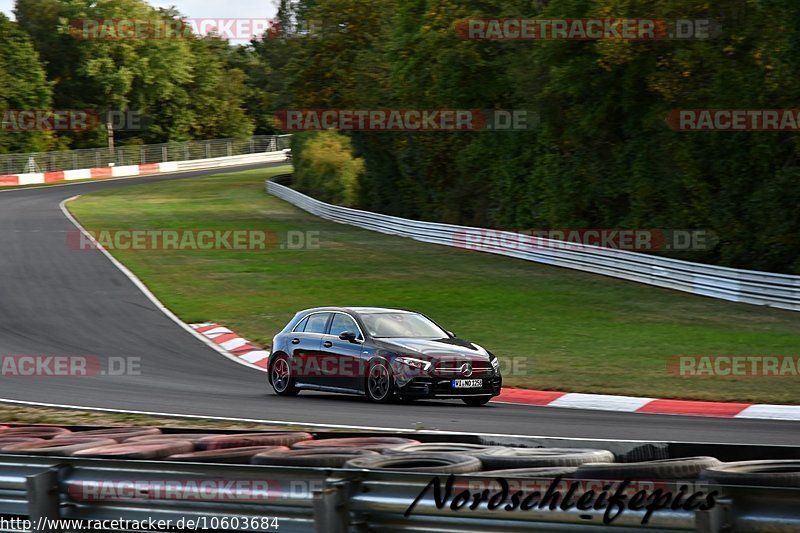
x: 58, y: 301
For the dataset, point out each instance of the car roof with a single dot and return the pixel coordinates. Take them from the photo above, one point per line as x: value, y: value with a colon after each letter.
x: 358, y: 310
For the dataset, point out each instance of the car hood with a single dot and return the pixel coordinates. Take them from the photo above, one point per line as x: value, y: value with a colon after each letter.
x: 432, y: 348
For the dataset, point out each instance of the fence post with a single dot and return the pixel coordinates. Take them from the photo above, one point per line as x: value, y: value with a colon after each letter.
x: 164, y: 154
x: 208, y: 150
x: 44, y: 498
x: 331, y: 512
x: 230, y: 149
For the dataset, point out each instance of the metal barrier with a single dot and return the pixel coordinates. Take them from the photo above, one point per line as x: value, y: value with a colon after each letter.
x: 12, y: 164
x: 252, y: 497
x: 332, y: 500
x: 746, y: 286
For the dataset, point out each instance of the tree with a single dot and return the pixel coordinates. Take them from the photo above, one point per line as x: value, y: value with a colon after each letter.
x: 23, y: 86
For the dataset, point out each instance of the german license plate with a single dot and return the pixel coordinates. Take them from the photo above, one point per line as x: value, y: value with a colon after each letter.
x: 467, y: 383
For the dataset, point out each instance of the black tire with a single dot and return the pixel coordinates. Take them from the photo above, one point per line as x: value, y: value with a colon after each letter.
x: 64, y: 447
x: 379, y: 382
x: 460, y: 448
x: 540, y: 472
x: 504, y: 459
x: 138, y: 450
x: 375, y: 444
x: 662, y: 469
x: 118, y: 434
x: 476, y: 401
x: 444, y: 463
x: 225, y: 455
x: 777, y: 473
x: 280, y: 376
x: 318, y: 457
x: 241, y: 440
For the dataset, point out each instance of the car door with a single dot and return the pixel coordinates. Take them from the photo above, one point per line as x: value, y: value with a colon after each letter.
x: 305, y: 343
x: 340, y: 358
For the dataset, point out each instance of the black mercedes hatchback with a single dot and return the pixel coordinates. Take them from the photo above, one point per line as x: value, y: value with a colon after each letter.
x: 383, y: 354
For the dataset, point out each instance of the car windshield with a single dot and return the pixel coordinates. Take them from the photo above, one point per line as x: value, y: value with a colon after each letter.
x: 401, y: 325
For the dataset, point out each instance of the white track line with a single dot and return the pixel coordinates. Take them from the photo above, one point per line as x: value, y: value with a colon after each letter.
x: 307, y: 424
x: 145, y: 176
x: 142, y: 287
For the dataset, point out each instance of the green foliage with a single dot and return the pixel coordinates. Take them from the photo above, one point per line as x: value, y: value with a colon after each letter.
x: 22, y: 86
x: 185, y: 86
x: 601, y: 155
x: 328, y: 169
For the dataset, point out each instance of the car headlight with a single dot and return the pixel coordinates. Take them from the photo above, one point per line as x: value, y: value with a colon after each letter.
x: 495, y: 363
x: 413, y: 362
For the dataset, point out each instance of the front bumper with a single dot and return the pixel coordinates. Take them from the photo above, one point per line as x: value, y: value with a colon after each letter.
x: 437, y: 387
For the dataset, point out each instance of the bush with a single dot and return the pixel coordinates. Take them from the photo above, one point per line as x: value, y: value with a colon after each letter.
x: 325, y: 167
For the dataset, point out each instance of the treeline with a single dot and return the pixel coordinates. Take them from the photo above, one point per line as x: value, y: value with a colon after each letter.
x: 602, y: 155
x: 160, y: 89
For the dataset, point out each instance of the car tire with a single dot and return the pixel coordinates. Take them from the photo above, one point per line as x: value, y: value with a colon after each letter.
x: 280, y: 373
x: 278, y: 438
x: 763, y: 473
x: 319, y: 457
x: 63, y: 447
x: 513, y: 458
x: 379, y: 383
x: 117, y: 434
x: 537, y: 472
x: 364, y: 443
x: 435, y: 463
x: 476, y: 401
x: 662, y: 469
x: 226, y: 455
x: 460, y: 448
x: 138, y: 450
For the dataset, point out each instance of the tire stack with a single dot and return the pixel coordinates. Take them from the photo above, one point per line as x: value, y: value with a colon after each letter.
x: 385, y: 453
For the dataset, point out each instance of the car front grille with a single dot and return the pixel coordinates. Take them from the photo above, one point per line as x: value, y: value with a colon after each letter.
x: 462, y: 368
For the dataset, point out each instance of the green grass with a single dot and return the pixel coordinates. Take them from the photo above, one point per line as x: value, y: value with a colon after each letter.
x: 573, y: 331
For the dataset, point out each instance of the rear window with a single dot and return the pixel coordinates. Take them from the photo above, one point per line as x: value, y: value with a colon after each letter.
x: 299, y: 328
x: 317, y: 323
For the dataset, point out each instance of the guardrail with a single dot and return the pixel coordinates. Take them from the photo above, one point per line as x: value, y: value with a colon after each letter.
x: 745, y: 286
x: 128, y: 171
x: 257, y: 498
x: 12, y: 164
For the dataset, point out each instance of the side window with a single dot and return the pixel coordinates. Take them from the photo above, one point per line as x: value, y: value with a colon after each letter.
x: 301, y: 327
x: 342, y: 323
x: 317, y: 322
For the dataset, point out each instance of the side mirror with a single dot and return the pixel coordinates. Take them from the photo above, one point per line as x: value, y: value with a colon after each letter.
x: 450, y: 333
x: 348, y: 336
